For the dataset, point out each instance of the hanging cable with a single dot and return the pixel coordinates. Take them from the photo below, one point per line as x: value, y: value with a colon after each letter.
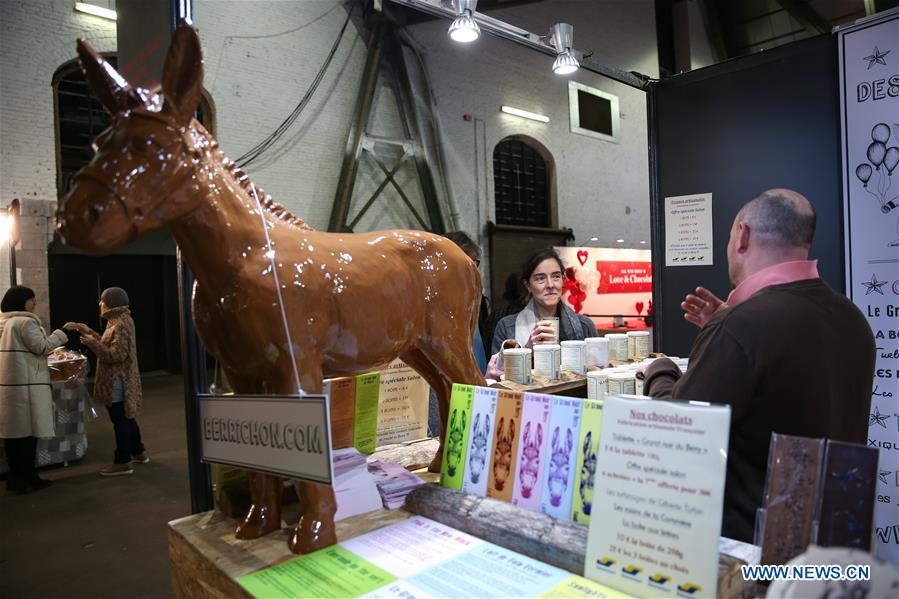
x: 260, y: 148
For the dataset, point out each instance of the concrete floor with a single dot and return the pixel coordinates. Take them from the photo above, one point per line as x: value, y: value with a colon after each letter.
x: 90, y: 536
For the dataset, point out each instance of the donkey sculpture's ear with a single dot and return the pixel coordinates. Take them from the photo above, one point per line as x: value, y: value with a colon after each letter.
x: 108, y: 86
x: 182, y: 75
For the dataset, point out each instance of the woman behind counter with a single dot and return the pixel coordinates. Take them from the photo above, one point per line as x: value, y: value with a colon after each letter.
x: 542, y: 276
x: 26, y: 398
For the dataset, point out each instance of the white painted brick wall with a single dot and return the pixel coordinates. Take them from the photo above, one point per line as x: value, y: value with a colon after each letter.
x: 36, y: 38
x: 595, y: 180
x: 256, y: 74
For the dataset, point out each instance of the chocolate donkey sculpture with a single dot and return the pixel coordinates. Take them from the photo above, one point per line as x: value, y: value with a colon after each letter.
x: 351, y: 302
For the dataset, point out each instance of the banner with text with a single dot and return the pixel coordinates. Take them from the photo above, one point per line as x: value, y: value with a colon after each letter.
x: 607, y: 281
x: 657, y: 507
x: 869, y: 96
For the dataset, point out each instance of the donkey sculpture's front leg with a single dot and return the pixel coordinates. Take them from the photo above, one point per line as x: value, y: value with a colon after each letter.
x: 264, y: 515
x: 315, y: 529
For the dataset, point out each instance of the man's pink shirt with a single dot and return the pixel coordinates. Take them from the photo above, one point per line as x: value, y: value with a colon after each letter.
x: 785, y: 272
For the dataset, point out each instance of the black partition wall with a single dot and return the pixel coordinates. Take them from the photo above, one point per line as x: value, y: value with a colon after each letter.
x: 733, y: 130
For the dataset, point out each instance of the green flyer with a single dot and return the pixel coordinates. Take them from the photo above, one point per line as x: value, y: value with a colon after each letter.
x: 366, y: 432
x: 331, y: 572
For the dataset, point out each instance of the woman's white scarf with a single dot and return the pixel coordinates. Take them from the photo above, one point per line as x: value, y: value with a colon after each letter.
x: 525, y: 322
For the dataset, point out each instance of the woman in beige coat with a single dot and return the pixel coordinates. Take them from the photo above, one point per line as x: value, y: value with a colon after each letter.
x: 26, y: 398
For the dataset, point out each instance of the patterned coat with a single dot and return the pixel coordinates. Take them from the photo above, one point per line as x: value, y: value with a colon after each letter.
x: 116, y: 353
x: 26, y: 398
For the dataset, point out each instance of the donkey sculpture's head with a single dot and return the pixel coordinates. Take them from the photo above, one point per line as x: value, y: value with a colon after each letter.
x: 559, y: 467
x: 502, y: 453
x: 146, y: 159
x: 454, y: 443
x: 530, y: 459
x: 478, y: 452
x: 588, y: 471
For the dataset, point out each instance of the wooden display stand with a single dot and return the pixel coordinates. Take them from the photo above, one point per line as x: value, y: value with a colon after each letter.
x: 206, y: 559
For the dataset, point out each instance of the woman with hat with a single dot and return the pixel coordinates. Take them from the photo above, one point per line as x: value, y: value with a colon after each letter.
x: 26, y: 398
x: 117, y: 383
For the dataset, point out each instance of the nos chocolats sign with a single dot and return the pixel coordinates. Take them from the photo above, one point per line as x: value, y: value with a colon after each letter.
x: 286, y: 436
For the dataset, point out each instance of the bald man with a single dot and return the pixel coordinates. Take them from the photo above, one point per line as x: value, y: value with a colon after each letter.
x: 788, y: 353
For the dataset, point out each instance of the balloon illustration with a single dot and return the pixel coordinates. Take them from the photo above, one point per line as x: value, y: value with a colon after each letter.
x: 876, y: 153
x: 891, y: 158
x: 881, y: 133
x: 863, y: 172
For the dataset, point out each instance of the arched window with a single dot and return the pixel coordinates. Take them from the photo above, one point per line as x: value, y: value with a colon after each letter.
x: 80, y: 118
x: 522, y: 180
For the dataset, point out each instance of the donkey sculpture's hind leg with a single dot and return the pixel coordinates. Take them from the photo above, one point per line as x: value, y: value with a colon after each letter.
x: 442, y: 390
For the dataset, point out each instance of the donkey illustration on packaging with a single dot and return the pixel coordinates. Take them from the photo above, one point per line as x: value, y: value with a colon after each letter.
x: 557, y: 478
x: 454, y: 443
x: 530, y: 459
x: 502, y: 454
x: 274, y: 300
x: 588, y: 470
x: 478, y: 451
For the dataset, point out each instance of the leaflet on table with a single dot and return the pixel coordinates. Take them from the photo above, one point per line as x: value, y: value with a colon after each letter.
x: 656, y: 514
x: 480, y: 438
x: 532, y: 451
x: 558, y: 475
x: 418, y: 558
x: 456, y: 445
x: 366, y: 426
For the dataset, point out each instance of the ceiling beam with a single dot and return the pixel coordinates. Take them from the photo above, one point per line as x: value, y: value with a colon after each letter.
x: 805, y: 15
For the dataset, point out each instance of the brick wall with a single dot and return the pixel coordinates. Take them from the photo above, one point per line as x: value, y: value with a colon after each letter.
x: 36, y: 38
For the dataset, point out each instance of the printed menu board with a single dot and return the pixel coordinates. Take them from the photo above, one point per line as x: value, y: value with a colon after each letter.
x: 688, y: 230
x: 656, y: 517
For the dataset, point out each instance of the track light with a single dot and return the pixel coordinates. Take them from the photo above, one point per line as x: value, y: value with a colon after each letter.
x: 464, y: 29
x: 97, y: 11
x: 561, y: 36
x: 525, y: 114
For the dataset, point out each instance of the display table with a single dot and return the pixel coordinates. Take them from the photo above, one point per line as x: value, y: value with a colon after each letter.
x: 206, y: 559
x: 70, y: 400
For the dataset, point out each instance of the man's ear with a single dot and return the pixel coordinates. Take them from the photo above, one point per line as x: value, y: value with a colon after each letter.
x: 743, y: 235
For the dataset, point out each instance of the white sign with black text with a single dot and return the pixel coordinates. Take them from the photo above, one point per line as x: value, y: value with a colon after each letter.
x: 869, y: 96
x: 287, y: 436
x: 688, y: 230
x: 658, y: 497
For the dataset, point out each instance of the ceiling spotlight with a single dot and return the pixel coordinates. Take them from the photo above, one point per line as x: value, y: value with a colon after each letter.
x: 561, y: 36
x: 464, y: 29
x: 620, y: 240
x: 643, y: 242
x: 594, y: 239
